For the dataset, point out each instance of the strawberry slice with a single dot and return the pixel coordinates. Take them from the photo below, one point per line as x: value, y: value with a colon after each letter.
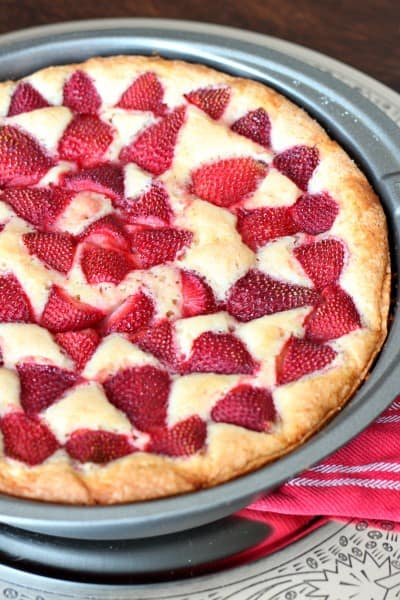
x: 261, y: 225
x: 142, y: 394
x: 105, y: 265
x: 80, y: 94
x: 212, y: 101
x: 64, y: 313
x: 300, y: 357
x: 27, y: 439
x: 135, y: 313
x: 80, y: 345
x: 315, y: 213
x: 100, y: 447
x: 85, y: 140
x: 197, y: 296
x: 22, y: 160
x: 298, y: 164
x: 219, y: 353
x: 256, y: 126
x: 107, y: 232
x: 183, y: 439
x: 159, y: 341
x: 227, y: 181
x: 25, y: 99
x: 333, y: 316
x: 256, y: 294
x: 322, y: 261
x: 14, y: 303
x: 246, y: 406
x: 151, y: 208
x: 161, y: 245
x: 153, y: 149
x: 41, y: 385
x: 107, y: 179
x: 39, y: 206
x: 56, y: 250
x: 145, y: 93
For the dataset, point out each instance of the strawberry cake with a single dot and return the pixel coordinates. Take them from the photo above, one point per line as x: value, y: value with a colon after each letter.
x: 193, y: 279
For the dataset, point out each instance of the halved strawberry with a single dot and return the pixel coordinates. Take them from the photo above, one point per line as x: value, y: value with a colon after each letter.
x: 333, y: 316
x: 85, y: 140
x: 300, y: 357
x: 153, y: 149
x: 105, y: 179
x: 136, y: 312
x: 97, y: 446
x: 159, y: 341
x: 80, y: 94
x: 211, y: 100
x: 142, y: 394
x: 322, y: 261
x: 39, y: 206
x: 41, y: 385
x: 197, y: 295
x: 298, y: 163
x: 80, y: 345
x: 14, y: 303
x: 27, y: 439
x: 161, y: 245
x: 107, y: 232
x: 219, y: 353
x: 105, y: 265
x: 260, y: 225
x: 183, y: 439
x: 56, y: 250
x: 228, y: 181
x: 246, y: 406
x: 24, y: 99
x: 256, y: 294
x: 22, y: 160
x: 65, y: 313
x: 315, y: 213
x: 151, y: 208
x: 256, y: 126
x: 145, y: 93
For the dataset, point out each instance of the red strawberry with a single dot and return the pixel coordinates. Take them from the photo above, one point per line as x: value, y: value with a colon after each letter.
x: 102, y: 264
x: 80, y: 94
x: 159, y: 341
x: 39, y: 206
x: 256, y: 294
x: 14, y: 303
x: 246, y: 406
x: 56, y: 250
x: 197, y: 296
x: 227, y: 181
x: 183, y: 439
x: 300, y: 357
x: 85, y: 140
x: 153, y: 149
x: 298, y: 163
x: 158, y: 246
x: 24, y: 99
x: 107, y: 232
x: 80, y: 345
x: 105, y: 179
x: 212, y: 101
x: 136, y: 312
x: 260, y: 225
x: 333, y: 316
x: 88, y: 445
x: 142, y: 394
x: 64, y: 313
x: 27, y: 439
x: 322, y: 261
x: 22, y: 160
x: 219, y: 353
x: 151, y: 208
x: 256, y: 126
x: 145, y: 93
x: 315, y: 213
x: 41, y: 385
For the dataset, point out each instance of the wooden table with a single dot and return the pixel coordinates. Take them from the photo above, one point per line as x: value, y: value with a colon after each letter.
x: 363, y: 34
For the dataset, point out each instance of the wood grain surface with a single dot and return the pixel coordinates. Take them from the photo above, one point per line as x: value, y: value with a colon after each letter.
x: 362, y: 33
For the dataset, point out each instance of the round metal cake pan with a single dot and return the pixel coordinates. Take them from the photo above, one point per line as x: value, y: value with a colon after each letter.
x: 369, y: 136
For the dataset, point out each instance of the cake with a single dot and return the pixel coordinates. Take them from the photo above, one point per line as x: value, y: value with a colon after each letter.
x: 194, y: 278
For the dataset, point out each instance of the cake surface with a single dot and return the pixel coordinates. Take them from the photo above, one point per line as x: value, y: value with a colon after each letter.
x: 193, y: 279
